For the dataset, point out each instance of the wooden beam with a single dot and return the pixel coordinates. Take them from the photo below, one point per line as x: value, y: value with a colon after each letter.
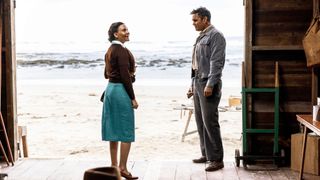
x: 248, y: 42
x: 316, y: 6
x: 315, y: 71
x: 1, y: 34
x: 10, y: 111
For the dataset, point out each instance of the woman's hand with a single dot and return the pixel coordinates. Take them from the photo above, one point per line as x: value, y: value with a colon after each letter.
x: 134, y: 104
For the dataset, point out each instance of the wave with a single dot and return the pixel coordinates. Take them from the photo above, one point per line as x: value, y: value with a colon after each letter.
x: 77, y: 63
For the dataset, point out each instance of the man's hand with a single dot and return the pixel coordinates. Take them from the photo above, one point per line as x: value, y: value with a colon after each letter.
x: 208, y: 91
x: 189, y: 93
x: 134, y: 104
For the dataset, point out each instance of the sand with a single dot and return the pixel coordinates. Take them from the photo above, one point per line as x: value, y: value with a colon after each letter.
x: 63, y: 120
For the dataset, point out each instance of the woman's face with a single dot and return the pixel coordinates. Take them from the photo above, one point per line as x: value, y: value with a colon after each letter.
x: 123, y: 34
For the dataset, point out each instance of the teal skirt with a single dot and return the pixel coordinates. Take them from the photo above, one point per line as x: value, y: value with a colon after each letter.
x: 117, y: 114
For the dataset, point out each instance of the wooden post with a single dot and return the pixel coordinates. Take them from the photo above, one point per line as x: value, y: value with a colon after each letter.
x: 1, y: 27
x: 9, y: 102
x: 316, y: 6
x: 248, y: 42
x: 315, y: 71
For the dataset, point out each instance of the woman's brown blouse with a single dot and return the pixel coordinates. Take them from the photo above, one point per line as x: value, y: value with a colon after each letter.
x: 119, y: 67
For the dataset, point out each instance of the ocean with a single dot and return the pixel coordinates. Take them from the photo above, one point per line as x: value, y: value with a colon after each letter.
x: 161, y: 62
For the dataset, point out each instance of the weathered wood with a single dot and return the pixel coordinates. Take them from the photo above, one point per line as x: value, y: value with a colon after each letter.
x: 198, y: 172
x: 4, y: 131
x: 248, y: 43
x: 10, y: 109
x: 283, y: 4
x: 168, y: 170
x: 153, y: 170
x: 1, y: 35
x: 275, y: 31
x: 316, y: 8
x: 184, y: 170
x: 229, y: 172
x: 315, y: 71
x: 140, y: 168
x: 53, y: 169
x: 4, y: 153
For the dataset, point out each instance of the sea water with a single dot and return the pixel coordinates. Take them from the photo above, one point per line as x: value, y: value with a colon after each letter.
x: 158, y: 63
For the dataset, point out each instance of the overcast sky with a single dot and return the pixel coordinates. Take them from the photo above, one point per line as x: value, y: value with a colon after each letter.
x: 147, y: 20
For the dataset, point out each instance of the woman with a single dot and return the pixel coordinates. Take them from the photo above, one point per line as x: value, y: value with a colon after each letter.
x: 119, y: 100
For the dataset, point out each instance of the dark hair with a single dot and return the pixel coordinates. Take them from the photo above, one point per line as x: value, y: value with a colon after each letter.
x: 113, y: 29
x: 202, y: 12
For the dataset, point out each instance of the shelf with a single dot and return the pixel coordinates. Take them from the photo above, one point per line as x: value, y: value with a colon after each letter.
x: 276, y: 48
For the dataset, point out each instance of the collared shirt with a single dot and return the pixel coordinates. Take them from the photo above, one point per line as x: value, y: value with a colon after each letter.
x: 194, y: 54
x: 118, y: 42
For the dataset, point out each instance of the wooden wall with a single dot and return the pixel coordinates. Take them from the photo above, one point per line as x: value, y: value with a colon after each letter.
x: 8, y: 96
x: 274, y: 32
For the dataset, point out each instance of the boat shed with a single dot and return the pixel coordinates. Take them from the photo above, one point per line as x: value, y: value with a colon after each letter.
x: 274, y: 30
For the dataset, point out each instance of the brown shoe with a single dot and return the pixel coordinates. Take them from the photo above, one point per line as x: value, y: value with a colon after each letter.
x: 215, y: 165
x: 128, y: 175
x: 203, y: 159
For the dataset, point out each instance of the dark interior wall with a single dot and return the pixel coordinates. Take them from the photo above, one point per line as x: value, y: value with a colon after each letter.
x: 274, y: 33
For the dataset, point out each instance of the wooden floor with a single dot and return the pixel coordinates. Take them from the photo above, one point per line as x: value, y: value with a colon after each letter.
x: 64, y: 169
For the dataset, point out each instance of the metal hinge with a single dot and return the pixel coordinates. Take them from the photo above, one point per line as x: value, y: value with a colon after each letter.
x: 14, y: 4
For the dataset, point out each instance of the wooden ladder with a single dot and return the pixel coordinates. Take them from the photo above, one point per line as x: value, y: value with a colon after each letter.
x: 4, y: 131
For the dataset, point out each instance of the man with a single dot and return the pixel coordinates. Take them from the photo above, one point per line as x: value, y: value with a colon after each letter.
x: 207, y: 63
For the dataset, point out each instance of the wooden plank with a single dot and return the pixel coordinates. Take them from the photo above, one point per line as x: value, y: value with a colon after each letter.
x: 229, y: 171
x: 278, y: 175
x: 277, y: 48
x: 290, y: 16
x: 40, y: 170
x: 291, y: 175
x: 140, y: 169
x: 283, y: 4
x: 198, y: 172
x: 74, y: 169
x: 153, y: 170
x: 66, y: 167
x: 184, y: 170
x: 282, y: 39
x: 245, y: 175
x: 23, y: 168
x: 291, y: 80
x: 168, y: 170
x: 62, y: 169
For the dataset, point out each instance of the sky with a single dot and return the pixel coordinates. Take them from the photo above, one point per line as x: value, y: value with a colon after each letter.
x: 147, y: 20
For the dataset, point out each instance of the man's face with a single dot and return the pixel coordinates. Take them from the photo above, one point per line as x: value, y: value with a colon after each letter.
x: 123, y: 33
x: 198, y: 22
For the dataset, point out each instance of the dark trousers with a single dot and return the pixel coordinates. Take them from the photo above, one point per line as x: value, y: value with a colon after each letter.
x: 207, y: 119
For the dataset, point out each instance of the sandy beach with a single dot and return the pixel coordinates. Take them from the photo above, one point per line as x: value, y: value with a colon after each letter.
x: 63, y: 120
